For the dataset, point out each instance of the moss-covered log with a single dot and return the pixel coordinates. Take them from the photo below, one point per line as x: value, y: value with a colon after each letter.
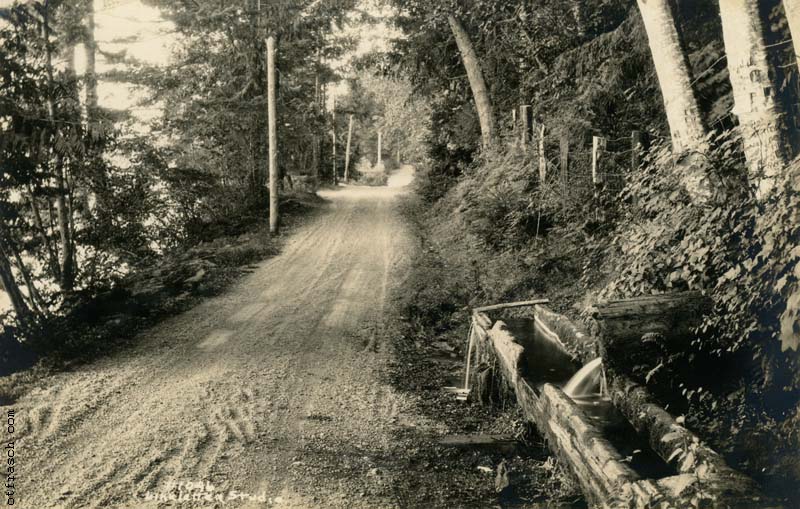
x: 680, y: 447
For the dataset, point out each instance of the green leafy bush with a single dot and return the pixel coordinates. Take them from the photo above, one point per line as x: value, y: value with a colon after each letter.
x: 737, y: 384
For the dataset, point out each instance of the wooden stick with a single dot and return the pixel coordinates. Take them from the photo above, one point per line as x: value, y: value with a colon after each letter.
x: 517, y: 304
x: 598, y: 147
x: 542, y: 160
x: 469, y: 354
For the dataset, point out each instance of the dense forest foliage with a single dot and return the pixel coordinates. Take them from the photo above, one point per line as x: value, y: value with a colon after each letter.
x: 88, y: 194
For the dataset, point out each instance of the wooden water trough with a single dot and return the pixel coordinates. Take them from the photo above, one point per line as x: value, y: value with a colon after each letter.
x: 682, y: 471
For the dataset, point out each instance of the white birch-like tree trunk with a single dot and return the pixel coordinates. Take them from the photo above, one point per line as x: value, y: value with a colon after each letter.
x: 683, y: 114
x: 66, y: 275
x: 476, y: 82
x: 90, y: 50
x: 792, y: 9
x: 754, y: 94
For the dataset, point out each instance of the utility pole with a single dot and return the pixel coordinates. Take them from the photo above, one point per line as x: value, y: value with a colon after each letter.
x: 347, y: 152
x: 335, y: 177
x: 273, y: 137
x: 316, y: 148
x: 333, y: 135
x: 379, y: 148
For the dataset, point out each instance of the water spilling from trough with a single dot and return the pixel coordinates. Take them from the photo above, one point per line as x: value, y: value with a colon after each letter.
x: 588, y: 381
x: 546, y: 361
x: 635, y: 454
x: 587, y: 388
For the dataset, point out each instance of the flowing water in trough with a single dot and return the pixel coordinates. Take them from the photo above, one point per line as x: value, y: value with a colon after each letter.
x: 547, y: 362
x: 587, y: 381
x: 545, y: 358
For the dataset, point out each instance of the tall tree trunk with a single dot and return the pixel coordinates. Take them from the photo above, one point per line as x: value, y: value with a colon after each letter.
x: 90, y: 49
x: 90, y: 104
x: 66, y: 260
x: 10, y: 285
x: 476, y: 82
x: 52, y: 255
x: 792, y: 9
x: 11, y: 248
x: 683, y: 114
x: 35, y: 298
x: 687, y: 132
x: 755, y: 102
x: 317, y: 85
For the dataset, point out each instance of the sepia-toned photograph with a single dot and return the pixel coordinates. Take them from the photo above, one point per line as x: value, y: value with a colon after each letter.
x: 390, y: 254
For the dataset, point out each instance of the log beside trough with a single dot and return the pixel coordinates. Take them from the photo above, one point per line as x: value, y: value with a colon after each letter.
x: 693, y: 475
x: 623, y: 323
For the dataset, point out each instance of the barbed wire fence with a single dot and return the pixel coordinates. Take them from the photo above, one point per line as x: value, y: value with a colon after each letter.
x: 568, y: 171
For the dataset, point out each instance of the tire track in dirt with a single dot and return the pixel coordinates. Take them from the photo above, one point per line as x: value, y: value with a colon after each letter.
x: 287, y: 362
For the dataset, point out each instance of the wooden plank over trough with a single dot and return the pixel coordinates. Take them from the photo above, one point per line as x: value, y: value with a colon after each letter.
x: 702, y: 480
x: 507, y: 305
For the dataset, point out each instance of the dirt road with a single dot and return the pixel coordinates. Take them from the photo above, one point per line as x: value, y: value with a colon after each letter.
x: 273, y: 389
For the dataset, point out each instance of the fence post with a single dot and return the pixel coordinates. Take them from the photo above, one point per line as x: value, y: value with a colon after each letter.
x: 598, y: 147
x: 563, y: 163
x: 542, y: 159
x: 527, y: 124
x: 514, y: 127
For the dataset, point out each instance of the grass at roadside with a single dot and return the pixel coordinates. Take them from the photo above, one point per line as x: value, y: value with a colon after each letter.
x: 433, y: 305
